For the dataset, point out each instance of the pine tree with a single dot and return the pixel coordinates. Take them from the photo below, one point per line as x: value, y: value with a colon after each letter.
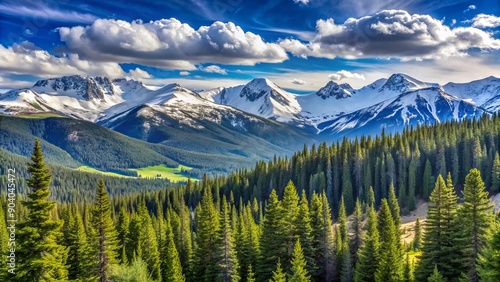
x: 227, y: 262
x: 171, y: 264
x: 290, y: 205
x: 408, y: 270
x: 43, y: 259
x: 489, y: 260
x: 347, y: 191
x: 428, y: 179
x: 123, y: 230
x: 303, y: 231
x: 148, y: 243
x: 322, y: 238
x: 299, y: 272
x: 477, y: 217
x: 390, y: 264
x: 395, y: 211
x: 79, y: 261
x: 435, y: 276
x: 441, y: 245
x: 272, y: 241
x: 104, y: 236
x: 369, y: 254
x: 278, y: 275
x: 207, y: 225
x: 250, y: 274
x: 357, y: 226
x: 412, y: 184
x: 495, y: 175
x: 417, y: 240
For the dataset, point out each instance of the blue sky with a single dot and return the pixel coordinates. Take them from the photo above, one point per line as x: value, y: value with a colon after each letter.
x: 299, y: 44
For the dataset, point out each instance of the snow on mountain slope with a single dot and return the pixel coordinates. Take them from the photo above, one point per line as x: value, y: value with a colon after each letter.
x: 481, y: 92
x: 263, y: 98
x: 80, y: 97
x: 421, y: 106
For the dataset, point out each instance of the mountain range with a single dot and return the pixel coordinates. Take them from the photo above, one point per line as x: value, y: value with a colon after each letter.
x: 246, y: 122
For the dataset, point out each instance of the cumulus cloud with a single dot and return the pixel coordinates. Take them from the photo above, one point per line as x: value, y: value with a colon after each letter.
x: 26, y: 58
x: 343, y: 74
x: 486, y: 21
x: 184, y: 73
x: 169, y: 43
x: 391, y: 34
x: 298, y: 81
x: 138, y: 73
x: 213, y: 69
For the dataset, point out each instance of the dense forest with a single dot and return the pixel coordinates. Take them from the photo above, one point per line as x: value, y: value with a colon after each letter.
x: 328, y: 213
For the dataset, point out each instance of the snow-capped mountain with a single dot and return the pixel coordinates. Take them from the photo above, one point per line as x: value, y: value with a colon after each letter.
x: 418, y: 107
x: 391, y: 103
x: 75, y: 96
x: 260, y: 97
x: 484, y: 92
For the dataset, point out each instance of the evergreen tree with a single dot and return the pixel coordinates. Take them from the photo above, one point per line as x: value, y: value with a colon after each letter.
x: 207, y: 225
x: 390, y: 266
x: 435, y: 276
x: 250, y: 274
x: 123, y: 230
x: 322, y: 238
x: 227, y: 263
x: 408, y: 270
x: 412, y: 184
x: 290, y: 205
x: 104, y: 236
x: 369, y: 254
x: 489, y: 260
x: 272, y: 241
x: 347, y: 191
x: 299, y: 272
x: 79, y: 261
x: 278, y: 275
x: 171, y: 264
x: 427, y: 181
x: 441, y: 245
x: 357, y: 226
x: 495, y: 175
x: 417, y: 240
x: 43, y: 259
x: 477, y: 217
x: 303, y: 230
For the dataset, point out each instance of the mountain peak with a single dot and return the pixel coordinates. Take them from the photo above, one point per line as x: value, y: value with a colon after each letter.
x: 332, y: 89
x: 89, y: 88
x: 402, y: 83
x: 257, y: 88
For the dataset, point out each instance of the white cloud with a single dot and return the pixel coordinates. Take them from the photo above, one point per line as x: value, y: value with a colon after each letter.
x: 486, y: 21
x: 343, y: 74
x: 26, y: 58
x: 298, y: 81
x: 184, y: 73
x: 470, y: 8
x: 453, y: 22
x: 303, y: 2
x: 168, y: 43
x: 138, y: 73
x: 42, y: 11
x: 391, y: 34
x: 213, y: 69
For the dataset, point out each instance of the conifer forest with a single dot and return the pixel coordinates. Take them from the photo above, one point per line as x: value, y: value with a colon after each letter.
x: 327, y: 213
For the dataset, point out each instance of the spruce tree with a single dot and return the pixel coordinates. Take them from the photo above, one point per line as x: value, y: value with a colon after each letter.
x: 427, y: 180
x: 290, y: 205
x: 477, y: 217
x: 390, y: 266
x: 207, y: 225
x: 441, y: 245
x: 250, y: 274
x: 369, y: 254
x: 227, y: 262
x: 104, y: 236
x: 357, y: 226
x: 495, y: 175
x: 41, y: 258
x: 171, y: 264
x: 322, y: 238
x: 272, y: 240
x: 417, y: 240
x: 303, y: 231
x: 299, y: 272
x: 123, y: 230
x: 278, y: 274
x: 79, y: 261
x: 489, y: 260
x: 435, y: 276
